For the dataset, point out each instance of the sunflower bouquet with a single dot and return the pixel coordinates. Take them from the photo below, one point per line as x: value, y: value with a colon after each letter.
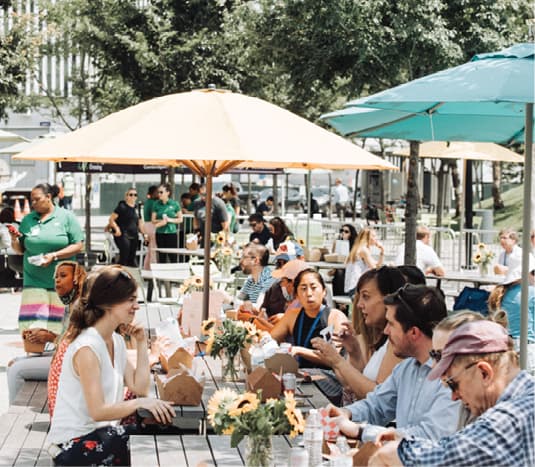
x: 191, y: 284
x: 222, y: 255
x: 244, y: 415
x: 483, y: 257
x: 226, y: 341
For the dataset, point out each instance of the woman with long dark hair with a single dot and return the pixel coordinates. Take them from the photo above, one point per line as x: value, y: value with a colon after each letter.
x: 85, y: 426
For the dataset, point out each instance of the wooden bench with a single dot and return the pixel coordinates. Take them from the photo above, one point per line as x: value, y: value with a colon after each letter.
x: 23, y: 429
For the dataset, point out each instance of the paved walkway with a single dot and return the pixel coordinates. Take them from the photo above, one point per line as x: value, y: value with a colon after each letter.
x: 10, y: 341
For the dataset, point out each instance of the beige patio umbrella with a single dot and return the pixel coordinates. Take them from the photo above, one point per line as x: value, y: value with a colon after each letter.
x: 210, y: 131
x: 464, y: 150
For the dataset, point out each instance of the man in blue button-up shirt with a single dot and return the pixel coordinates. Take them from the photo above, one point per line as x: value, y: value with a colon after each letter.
x: 419, y: 407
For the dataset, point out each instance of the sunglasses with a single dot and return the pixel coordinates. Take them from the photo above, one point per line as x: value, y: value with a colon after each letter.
x: 132, y: 194
x: 454, y: 385
x: 344, y: 231
x: 398, y: 294
x: 436, y: 355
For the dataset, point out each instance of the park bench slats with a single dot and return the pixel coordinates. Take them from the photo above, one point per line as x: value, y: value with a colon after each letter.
x: 171, y: 451
x: 197, y: 450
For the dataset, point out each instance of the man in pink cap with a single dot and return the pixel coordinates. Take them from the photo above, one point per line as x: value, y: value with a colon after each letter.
x: 481, y: 368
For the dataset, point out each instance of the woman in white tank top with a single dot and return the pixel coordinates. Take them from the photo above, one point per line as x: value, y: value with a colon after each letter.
x: 85, y: 426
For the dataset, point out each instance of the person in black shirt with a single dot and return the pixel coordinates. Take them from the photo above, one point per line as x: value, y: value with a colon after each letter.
x: 260, y: 233
x: 125, y: 225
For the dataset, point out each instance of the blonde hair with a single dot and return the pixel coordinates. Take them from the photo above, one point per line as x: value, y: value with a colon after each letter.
x: 363, y: 239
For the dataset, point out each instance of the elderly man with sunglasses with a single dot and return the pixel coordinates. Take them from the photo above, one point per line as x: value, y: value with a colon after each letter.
x: 479, y: 366
x: 419, y: 407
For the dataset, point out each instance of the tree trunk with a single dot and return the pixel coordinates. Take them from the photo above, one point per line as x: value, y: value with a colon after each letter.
x: 442, y: 172
x: 456, y: 187
x: 496, y: 191
x: 411, y: 209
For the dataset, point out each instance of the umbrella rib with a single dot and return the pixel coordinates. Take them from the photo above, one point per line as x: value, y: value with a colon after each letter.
x: 226, y: 165
x: 378, y: 127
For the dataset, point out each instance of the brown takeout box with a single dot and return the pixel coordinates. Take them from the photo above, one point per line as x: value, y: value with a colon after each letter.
x: 281, y: 363
x: 30, y: 347
x: 262, y: 379
x: 173, y: 361
x: 179, y: 388
x: 312, y: 254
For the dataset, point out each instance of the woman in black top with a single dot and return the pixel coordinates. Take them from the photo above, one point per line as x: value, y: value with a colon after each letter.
x: 125, y: 225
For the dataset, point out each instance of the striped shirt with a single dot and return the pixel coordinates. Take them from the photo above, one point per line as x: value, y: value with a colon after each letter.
x: 501, y: 436
x: 251, y: 289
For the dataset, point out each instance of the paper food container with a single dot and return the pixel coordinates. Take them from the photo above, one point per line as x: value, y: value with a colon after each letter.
x: 262, y: 379
x: 192, y: 242
x: 281, y: 363
x: 30, y: 347
x: 173, y: 360
x: 179, y: 388
x: 312, y: 254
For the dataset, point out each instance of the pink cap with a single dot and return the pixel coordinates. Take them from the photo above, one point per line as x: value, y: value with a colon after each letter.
x: 471, y: 338
x: 290, y: 269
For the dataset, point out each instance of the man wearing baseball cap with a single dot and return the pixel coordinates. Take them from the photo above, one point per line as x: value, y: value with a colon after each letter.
x: 481, y: 368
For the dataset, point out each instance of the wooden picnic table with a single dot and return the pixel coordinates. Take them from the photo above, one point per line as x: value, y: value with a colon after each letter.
x: 472, y: 277
x: 194, y: 450
x: 309, y: 396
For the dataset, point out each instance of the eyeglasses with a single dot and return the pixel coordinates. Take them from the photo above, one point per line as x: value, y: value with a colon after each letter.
x: 344, y: 231
x: 132, y: 194
x: 454, y: 385
x: 436, y: 355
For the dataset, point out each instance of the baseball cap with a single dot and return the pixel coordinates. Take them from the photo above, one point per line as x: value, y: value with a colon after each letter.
x: 290, y: 269
x: 476, y: 337
x: 286, y: 251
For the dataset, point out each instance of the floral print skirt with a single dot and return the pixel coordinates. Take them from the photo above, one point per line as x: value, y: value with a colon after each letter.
x: 108, y: 445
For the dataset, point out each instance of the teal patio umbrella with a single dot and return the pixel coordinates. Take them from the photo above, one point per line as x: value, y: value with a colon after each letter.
x: 488, y: 99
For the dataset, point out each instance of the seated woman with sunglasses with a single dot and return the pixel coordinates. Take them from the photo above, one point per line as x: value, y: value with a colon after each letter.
x: 369, y: 358
x: 85, y: 426
x: 125, y: 225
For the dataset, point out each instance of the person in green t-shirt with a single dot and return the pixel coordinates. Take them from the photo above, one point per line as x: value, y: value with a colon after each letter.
x: 47, y: 235
x: 166, y: 215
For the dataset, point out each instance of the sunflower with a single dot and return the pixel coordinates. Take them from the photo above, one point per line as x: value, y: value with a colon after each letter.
x: 219, y: 403
x: 301, y: 242
x: 477, y: 258
x: 220, y: 239
x: 207, y: 326
x: 296, y: 420
x: 228, y: 431
x: 245, y: 403
x: 227, y: 251
x: 481, y: 246
x: 197, y: 281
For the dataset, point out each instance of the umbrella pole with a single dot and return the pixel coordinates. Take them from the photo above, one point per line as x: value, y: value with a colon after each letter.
x: 207, y: 244
x: 309, y: 206
x: 526, y: 229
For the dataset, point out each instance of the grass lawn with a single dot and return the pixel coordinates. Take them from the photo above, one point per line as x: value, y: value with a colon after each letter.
x: 511, y: 215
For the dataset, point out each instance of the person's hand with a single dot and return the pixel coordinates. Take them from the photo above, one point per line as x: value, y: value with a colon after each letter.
x: 161, y: 410
x: 379, y: 246
x: 247, y: 307
x: 135, y: 331
x: 386, y: 456
x: 388, y: 435
x: 117, y: 232
x: 47, y: 260
x: 500, y: 269
x: 326, y: 351
x: 347, y: 427
x: 334, y: 411
x: 274, y: 319
x: 347, y: 338
x: 39, y: 336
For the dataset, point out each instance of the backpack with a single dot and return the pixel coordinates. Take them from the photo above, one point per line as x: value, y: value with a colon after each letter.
x: 472, y: 299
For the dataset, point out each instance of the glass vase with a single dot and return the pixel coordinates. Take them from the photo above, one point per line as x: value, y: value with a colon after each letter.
x: 230, y: 366
x: 258, y: 451
x: 483, y: 269
x: 225, y: 269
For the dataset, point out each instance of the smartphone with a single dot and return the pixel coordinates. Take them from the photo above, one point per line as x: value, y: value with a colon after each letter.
x: 13, y: 230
